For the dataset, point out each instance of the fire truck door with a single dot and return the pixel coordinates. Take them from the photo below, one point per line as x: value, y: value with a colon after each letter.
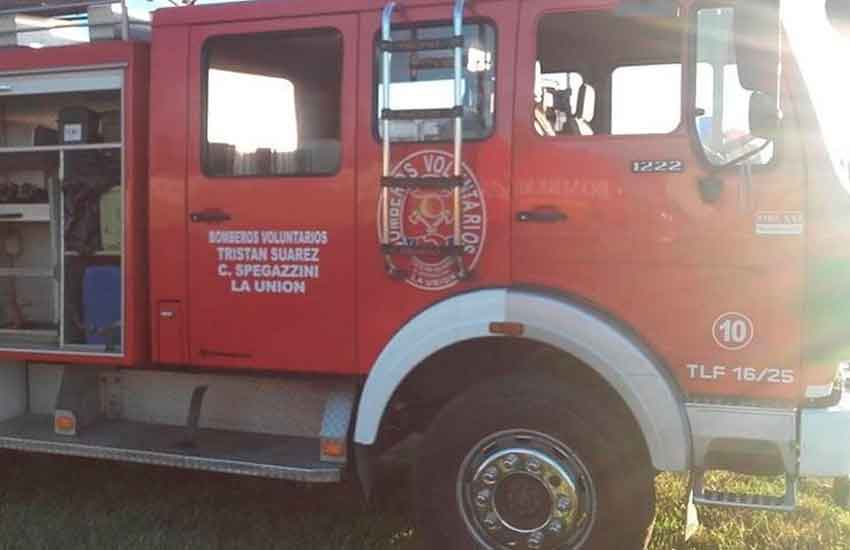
x: 629, y: 192
x: 271, y: 194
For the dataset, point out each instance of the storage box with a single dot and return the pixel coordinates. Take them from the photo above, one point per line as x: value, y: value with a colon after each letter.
x: 102, y: 305
x: 78, y: 125
x: 110, y: 220
x: 105, y: 23
x: 18, y: 134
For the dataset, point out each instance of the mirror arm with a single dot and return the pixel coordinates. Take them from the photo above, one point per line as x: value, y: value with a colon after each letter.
x: 738, y: 160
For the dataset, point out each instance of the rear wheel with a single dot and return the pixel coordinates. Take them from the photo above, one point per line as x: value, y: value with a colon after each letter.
x: 521, y: 462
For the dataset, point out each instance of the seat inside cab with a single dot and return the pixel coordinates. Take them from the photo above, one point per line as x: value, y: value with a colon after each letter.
x: 598, y: 73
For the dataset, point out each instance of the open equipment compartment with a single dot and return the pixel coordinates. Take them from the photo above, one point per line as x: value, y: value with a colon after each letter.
x: 62, y: 194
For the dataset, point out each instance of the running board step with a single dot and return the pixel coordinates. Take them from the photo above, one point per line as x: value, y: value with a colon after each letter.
x: 421, y: 114
x: 725, y: 499
x: 395, y: 46
x: 242, y: 453
x: 402, y: 182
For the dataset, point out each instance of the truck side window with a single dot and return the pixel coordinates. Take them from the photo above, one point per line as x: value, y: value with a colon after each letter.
x: 599, y: 73
x: 419, y: 83
x: 271, y: 110
x: 656, y: 112
x: 722, y: 104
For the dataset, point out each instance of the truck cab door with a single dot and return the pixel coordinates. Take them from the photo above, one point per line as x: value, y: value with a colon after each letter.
x: 622, y: 125
x: 271, y: 194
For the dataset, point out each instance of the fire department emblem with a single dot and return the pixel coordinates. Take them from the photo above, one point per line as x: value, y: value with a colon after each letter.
x: 424, y: 217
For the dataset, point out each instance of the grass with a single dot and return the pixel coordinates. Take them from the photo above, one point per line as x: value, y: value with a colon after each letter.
x: 63, y: 503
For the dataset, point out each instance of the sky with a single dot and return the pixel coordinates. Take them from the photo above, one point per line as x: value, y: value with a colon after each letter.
x: 154, y: 4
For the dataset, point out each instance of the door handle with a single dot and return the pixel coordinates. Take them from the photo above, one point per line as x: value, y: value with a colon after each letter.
x: 547, y: 214
x: 209, y: 216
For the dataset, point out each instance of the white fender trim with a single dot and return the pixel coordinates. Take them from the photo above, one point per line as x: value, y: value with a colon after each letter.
x: 460, y: 318
x: 642, y: 383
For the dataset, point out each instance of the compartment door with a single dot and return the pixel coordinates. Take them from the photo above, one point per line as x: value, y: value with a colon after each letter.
x: 271, y: 194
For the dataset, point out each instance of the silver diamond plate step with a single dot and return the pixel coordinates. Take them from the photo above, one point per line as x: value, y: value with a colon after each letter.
x: 707, y: 497
x: 261, y: 455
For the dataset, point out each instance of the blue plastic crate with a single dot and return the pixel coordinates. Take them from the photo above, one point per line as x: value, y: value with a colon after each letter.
x: 102, y: 305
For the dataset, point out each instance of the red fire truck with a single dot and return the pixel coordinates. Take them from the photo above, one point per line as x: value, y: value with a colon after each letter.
x: 569, y: 243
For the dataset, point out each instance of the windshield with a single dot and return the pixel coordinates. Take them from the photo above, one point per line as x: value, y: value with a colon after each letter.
x: 822, y: 55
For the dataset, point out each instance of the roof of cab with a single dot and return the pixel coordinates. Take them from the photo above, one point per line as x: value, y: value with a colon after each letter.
x: 269, y: 9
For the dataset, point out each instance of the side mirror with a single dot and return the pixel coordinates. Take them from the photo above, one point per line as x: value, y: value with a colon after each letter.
x: 838, y: 13
x: 647, y: 8
x: 758, y: 44
x: 765, y: 116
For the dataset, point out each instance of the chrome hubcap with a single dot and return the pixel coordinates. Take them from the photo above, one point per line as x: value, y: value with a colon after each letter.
x: 522, y: 489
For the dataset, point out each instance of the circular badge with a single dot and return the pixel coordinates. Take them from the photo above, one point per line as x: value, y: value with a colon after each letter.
x: 733, y: 331
x: 425, y: 217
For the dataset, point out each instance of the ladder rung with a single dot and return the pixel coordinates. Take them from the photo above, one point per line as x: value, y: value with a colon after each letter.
x: 422, y: 45
x: 425, y: 249
x: 430, y: 63
x: 421, y: 114
x: 404, y: 182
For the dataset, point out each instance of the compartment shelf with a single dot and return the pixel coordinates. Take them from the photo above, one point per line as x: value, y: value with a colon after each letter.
x: 23, y: 272
x: 13, y: 337
x: 56, y: 148
x: 101, y: 253
x: 90, y: 348
x: 22, y: 213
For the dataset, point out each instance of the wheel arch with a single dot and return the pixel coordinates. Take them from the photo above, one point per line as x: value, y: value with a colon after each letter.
x: 625, y: 363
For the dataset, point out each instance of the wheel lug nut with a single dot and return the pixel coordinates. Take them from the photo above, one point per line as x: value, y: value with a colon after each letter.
x: 482, y: 499
x: 533, y: 465
x: 564, y: 504
x: 491, y: 522
x: 510, y: 461
x: 536, y: 540
x: 491, y: 475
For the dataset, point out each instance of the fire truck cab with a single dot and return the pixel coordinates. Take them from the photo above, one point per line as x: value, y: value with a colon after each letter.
x: 570, y: 243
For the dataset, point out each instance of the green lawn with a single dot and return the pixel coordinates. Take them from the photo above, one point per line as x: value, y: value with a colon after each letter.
x: 63, y: 503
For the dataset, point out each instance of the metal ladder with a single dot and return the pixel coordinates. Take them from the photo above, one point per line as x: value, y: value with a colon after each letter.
x: 455, y: 182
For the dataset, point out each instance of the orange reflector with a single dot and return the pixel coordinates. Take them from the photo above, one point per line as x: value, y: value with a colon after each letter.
x: 508, y: 329
x: 333, y: 448
x: 65, y: 423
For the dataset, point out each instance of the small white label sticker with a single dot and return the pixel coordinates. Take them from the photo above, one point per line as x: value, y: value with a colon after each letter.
x: 779, y: 223
x: 73, y: 132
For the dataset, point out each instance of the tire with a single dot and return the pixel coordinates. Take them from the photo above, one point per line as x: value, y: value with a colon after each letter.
x: 582, y: 444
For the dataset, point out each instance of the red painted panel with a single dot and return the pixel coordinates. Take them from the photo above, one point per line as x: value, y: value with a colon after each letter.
x: 171, y: 333
x: 385, y: 304
x: 167, y: 202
